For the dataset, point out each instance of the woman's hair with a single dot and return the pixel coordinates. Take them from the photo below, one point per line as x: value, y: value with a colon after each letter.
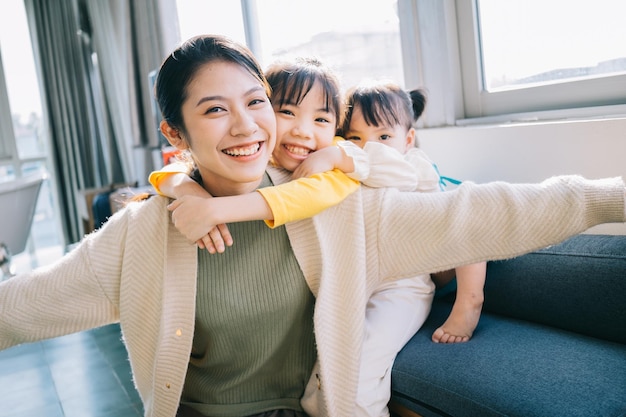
x: 181, y: 66
x: 291, y: 81
x: 384, y: 104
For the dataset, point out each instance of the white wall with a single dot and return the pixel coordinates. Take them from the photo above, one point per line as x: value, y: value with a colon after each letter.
x: 531, y: 152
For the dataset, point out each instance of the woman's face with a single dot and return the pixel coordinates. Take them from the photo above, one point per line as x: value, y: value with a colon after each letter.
x: 302, y: 129
x: 231, y: 127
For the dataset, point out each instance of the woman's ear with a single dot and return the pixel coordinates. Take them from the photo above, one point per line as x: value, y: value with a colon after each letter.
x: 173, y: 136
x: 410, y: 139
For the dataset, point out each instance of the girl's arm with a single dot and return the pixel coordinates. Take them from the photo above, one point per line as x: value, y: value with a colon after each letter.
x: 193, y: 216
x: 173, y: 181
x: 299, y: 199
x: 196, y: 212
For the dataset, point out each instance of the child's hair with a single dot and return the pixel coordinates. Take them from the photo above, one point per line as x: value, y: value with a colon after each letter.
x: 384, y: 104
x: 291, y: 81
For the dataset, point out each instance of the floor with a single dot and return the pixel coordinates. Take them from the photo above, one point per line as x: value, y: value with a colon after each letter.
x: 80, y: 375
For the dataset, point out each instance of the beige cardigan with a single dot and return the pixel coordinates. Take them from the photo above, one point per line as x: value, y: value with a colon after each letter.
x: 140, y: 271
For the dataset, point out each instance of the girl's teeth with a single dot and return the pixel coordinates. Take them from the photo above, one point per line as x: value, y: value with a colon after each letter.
x: 298, y: 150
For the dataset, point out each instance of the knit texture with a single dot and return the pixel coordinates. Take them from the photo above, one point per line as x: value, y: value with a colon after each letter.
x: 253, y: 344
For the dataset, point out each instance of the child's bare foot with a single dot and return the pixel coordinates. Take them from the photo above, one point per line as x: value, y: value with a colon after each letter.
x: 462, y: 321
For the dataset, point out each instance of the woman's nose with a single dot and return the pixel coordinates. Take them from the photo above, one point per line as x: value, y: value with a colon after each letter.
x: 244, y: 124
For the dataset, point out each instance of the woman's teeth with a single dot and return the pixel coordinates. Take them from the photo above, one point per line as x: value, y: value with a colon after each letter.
x: 243, y: 151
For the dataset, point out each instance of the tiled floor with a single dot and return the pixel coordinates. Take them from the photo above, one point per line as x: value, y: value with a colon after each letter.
x: 80, y: 375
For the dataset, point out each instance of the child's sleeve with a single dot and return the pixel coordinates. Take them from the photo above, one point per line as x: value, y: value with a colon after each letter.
x: 428, y: 178
x: 156, y: 178
x: 306, y: 197
x: 390, y: 168
x: 360, y: 158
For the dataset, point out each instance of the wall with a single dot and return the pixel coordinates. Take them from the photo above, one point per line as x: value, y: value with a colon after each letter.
x: 531, y: 152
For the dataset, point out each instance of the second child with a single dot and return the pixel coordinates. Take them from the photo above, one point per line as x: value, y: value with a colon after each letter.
x: 381, y: 114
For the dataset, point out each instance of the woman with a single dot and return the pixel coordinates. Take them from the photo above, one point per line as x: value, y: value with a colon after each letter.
x: 233, y: 334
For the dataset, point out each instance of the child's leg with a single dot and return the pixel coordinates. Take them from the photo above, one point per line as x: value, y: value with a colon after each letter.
x: 467, y: 307
x: 394, y: 313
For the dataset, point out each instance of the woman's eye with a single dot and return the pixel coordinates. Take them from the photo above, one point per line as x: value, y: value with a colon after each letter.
x: 322, y: 120
x: 257, y: 101
x: 214, y: 109
x: 353, y: 138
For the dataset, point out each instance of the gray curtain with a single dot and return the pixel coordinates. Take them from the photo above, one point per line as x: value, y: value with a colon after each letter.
x: 93, y: 58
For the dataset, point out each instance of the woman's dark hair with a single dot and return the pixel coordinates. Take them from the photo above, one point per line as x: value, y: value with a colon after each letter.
x: 384, y: 104
x: 180, y: 67
x: 291, y: 81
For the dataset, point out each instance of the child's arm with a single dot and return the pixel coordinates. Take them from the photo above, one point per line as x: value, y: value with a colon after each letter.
x: 173, y: 181
x: 305, y: 197
x: 296, y: 200
x: 193, y: 215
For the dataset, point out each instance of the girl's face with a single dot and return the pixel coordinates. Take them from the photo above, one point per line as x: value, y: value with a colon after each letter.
x: 230, y: 128
x: 302, y: 129
x: 395, y: 136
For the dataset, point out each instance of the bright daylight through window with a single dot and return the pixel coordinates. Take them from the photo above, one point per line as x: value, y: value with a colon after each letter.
x: 357, y: 40
x: 535, y: 41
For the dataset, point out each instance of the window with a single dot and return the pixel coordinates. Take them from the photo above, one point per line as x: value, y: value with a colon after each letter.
x: 24, y: 147
x: 479, y: 60
x: 357, y: 41
x: 533, y: 55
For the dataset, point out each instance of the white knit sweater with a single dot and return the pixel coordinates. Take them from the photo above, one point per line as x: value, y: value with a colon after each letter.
x: 140, y: 271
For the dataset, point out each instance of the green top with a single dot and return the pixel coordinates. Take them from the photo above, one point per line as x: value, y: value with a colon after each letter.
x: 253, y: 346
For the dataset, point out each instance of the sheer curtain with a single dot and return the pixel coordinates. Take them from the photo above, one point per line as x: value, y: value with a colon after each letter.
x: 93, y: 58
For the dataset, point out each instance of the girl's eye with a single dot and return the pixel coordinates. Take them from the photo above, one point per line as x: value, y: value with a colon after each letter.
x: 385, y: 137
x: 285, y: 111
x: 322, y: 120
x: 353, y: 138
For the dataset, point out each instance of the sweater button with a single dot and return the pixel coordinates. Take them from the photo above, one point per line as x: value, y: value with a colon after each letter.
x: 167, y: 385
x: 179, y: 332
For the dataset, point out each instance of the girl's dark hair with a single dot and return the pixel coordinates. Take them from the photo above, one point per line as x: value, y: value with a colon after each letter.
x: 384, y: 104
x: 180, y: 67
x: 291, y: 81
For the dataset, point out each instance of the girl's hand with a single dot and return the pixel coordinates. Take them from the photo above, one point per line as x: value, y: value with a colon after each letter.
x: 195, y: 219
x: 216, y: 240
x: 322, y: 160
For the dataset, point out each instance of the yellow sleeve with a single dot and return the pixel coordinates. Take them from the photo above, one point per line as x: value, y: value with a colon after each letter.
x: 156, y: 178
x: 306, y: 197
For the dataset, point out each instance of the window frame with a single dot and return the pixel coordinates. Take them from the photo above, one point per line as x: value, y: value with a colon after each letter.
x: 8, y: 151
x: 568, y: 94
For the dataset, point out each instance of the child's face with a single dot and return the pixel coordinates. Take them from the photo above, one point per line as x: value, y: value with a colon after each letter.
x: 302, y: 129
x: 398, y: 137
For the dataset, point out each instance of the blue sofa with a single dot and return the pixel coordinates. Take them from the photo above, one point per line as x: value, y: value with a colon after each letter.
x: 551, y: 341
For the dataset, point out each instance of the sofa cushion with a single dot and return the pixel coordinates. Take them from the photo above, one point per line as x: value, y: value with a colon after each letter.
x: 510, y: 368
x: 578, y: 285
